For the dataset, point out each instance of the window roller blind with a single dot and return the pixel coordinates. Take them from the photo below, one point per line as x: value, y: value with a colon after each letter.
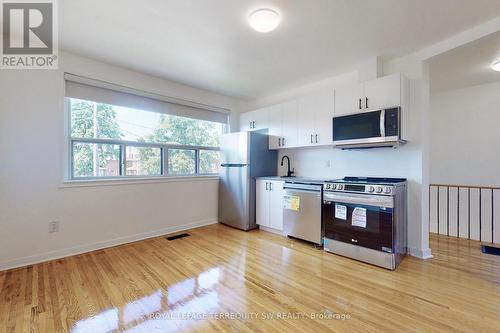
x: 107, y: 93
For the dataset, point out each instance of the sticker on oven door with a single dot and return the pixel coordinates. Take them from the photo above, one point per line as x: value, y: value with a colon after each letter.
x: 359, y: 217
x: 340, y: 212
x: 291, y: 202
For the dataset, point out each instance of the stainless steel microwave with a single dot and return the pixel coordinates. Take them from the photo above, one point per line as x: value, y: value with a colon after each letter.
x: 381, y: 128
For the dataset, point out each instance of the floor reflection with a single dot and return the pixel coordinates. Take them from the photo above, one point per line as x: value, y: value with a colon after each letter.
x: 142, y: 307
x: 168, y: 310
x: 104, y: 322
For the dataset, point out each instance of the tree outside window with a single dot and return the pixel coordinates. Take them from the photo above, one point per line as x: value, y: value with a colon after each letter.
x: 91, y: 120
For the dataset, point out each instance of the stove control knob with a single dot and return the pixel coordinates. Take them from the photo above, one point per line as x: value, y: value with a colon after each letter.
x: 379, y: 189
x: 327, y: 186
x: 340, y: 187
x: 387, y: 190
x: 334, y: 186
x: 371, y: 189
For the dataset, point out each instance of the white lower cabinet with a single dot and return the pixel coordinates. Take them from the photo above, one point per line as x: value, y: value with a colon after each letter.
x: 269, y: 203
x: 262, y: 203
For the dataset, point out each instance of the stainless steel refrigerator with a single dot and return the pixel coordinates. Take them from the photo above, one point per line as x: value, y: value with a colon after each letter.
x: 244, y: 156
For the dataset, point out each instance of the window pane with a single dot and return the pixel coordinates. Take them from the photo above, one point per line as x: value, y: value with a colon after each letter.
x: 142, y: 161
x: 94, y: 120
x: 181, y: 162
x: 116, y: 122
x: 186, y: 131
x: 209, y: 161
x: 96, y: 160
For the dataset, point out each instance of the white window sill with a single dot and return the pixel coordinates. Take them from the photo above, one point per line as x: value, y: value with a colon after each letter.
x: 134, y: 181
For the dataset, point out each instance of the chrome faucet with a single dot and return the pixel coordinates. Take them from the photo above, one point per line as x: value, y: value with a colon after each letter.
x: 288, y: 172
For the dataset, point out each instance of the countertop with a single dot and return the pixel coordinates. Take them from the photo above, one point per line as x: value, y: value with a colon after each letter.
x: 305, y: 180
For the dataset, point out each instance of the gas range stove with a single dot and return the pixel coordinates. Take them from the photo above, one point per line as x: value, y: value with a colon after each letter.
x: 368, y: 185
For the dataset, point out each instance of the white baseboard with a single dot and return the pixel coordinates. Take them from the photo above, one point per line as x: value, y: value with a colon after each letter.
x: 271, y: 230
x: 30, y: 260
x: 421, y: 253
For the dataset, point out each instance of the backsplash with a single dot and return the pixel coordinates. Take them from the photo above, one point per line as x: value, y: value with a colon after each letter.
x: 327, y: 162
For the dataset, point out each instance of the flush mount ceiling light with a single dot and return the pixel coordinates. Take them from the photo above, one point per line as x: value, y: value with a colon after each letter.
x: 496, y: 66
x: 264, y: 20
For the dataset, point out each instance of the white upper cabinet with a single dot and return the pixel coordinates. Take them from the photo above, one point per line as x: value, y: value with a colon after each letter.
x: 275, y: 126
x: 261, y: 119
x: 290, y: 129
x: 376, y: 94
x: 283, y: 125
x: 348, y: 99
x: 254, y: 120
x: 305, y: 119
x: 246, y: 121
x: 315, y: 113
x: 324, y: 112
x: 383, y: 93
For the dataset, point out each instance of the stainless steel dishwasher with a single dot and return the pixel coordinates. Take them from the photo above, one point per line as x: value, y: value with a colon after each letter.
x: 302, y: 211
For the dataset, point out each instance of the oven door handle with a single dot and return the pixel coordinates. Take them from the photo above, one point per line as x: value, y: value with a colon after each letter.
x: 367, y: 200
x: 290, y: 190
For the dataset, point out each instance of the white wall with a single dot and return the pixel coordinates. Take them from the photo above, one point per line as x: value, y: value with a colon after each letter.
x: 465, y: 136
x: 32, y: 192
x: 406, y: 161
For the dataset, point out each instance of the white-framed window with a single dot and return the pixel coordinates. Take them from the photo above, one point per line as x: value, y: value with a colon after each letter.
x: 120, y: 135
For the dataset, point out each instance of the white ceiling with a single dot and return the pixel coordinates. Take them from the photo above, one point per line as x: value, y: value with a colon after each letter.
x: 466, y: 66
x: 208, y: 43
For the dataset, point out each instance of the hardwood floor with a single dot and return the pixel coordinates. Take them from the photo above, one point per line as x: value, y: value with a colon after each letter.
x: 267, y: 283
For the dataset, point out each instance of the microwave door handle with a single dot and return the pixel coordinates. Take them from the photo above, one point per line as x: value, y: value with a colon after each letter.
x: 382, y: 123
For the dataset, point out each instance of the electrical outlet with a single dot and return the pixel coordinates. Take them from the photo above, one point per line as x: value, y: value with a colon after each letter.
x: 53, y: 227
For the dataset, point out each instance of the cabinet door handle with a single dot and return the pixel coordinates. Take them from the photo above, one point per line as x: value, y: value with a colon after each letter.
x: 311, y: 138
x: 360, y: 103
x: 270, y: 186
x: 267, y: 184
x: 283, y: 142
x: 366, y: 102
x: 279, y: 142
x: 316, y: 138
